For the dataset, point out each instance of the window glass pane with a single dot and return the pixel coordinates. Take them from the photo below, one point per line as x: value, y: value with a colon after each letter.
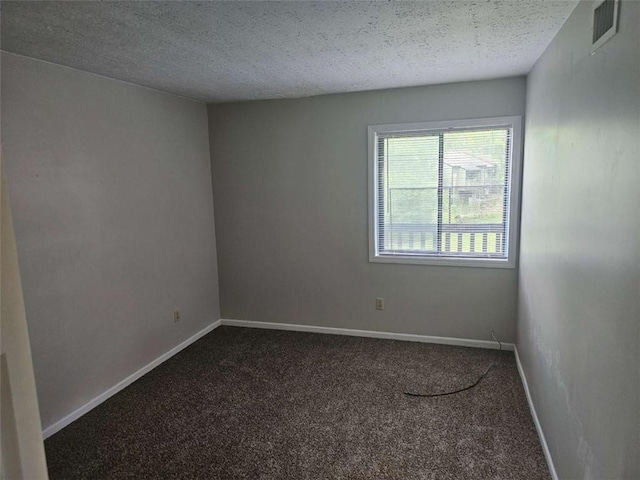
x: 410, y: 193
x: 474, y: 180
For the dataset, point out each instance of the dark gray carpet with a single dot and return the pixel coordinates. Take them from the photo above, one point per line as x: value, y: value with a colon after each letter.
x: 264, y: 404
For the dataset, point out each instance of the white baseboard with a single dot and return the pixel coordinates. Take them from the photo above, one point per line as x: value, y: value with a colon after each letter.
x: 408, y: 337
x: 543, y: 441
x: 60, y: 424
x: 465, y: 342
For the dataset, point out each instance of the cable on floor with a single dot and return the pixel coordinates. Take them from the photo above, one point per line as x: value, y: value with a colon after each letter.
x: 411, y: 394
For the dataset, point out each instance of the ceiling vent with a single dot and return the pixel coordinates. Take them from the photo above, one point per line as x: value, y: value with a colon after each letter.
x: 605, y: 23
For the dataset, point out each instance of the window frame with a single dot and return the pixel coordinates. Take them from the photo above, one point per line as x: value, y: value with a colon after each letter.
x: 514, y: 186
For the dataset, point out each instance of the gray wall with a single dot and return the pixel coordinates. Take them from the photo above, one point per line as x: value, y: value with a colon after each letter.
x: 111, y: 196
x: 578, y: 330
x: 290, y: 189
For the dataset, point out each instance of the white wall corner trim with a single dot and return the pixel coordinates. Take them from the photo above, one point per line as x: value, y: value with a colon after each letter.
x: 407, y: 337
x: 60, y: 424
x: 543, y: 441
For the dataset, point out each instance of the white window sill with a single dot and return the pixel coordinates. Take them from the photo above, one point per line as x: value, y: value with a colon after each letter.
x: 444, y: 261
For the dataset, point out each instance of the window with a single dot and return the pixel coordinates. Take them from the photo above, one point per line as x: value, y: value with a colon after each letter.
x: 445, y: 193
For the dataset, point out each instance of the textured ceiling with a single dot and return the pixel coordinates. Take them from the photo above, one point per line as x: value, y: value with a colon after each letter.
x: 224, y: 51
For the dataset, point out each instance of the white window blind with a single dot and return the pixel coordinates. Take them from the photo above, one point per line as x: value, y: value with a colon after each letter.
x: 443, y: 193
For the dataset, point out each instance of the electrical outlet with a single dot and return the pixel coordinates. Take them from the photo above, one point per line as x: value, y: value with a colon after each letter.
x: 379, y: 303
x: 176, y: 316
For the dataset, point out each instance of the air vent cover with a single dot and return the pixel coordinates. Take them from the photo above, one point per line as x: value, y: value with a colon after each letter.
x: 605, y: 23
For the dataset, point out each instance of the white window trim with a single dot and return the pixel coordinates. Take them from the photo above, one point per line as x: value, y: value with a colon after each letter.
x: 513, y: 226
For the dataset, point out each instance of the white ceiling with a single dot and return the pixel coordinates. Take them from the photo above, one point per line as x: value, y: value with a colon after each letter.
x: 235, y: 50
